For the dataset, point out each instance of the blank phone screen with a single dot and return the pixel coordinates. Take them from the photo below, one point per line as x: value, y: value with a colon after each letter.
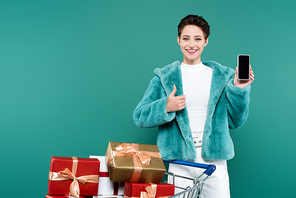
x: 243, y: 67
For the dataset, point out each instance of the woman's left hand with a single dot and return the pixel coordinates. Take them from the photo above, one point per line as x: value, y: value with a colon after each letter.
x: 243, y: 83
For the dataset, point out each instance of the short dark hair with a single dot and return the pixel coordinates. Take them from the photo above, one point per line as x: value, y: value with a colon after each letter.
x: 199, y: 21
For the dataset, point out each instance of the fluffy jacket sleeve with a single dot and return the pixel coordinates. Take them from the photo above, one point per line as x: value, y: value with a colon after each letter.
x: 151, y: 111
x: 237, y: 105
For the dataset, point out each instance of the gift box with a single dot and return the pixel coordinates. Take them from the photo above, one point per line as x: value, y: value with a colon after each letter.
x: 134, y: 162
x: 109, y: 196
x: 73, y: 176
x: 107, y: 187
x: 64, y: 196
x: 143, y: 190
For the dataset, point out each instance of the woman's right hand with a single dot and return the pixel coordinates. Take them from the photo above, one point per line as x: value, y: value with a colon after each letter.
x: 175, y: 103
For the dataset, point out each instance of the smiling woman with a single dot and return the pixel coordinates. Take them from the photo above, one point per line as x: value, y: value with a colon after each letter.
x: 194, y: 104
x: 192, y: 42
x: 193, y: 33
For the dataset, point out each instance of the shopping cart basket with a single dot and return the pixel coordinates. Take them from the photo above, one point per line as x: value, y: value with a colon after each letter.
x: 193, y: 191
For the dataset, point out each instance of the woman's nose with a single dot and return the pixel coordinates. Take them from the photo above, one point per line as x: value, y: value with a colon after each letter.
x: 191, y: 43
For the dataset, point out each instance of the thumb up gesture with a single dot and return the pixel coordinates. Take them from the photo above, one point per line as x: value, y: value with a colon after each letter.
x: 175, y: 103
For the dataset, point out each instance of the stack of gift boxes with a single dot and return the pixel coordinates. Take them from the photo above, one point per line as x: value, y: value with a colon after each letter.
x: 127, y: 170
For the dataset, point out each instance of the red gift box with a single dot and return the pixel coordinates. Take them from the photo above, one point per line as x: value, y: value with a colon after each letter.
x: 73, y: 176
x: 132, y: 190
x: 63, y: 196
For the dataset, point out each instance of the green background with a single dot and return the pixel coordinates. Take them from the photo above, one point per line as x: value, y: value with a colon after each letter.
x: 72, y: 72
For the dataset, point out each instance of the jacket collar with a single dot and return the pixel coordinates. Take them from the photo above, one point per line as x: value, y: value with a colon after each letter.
x: 220, y: 77
x: 171, y: 75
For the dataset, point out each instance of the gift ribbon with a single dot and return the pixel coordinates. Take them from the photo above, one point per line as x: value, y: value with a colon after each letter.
x: 67, y: 174
x: 104, y: 174
x: 150, y: 192
x: 139, y: 157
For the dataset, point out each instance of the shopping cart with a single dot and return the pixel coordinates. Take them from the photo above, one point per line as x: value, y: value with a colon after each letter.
x: 193, y: 191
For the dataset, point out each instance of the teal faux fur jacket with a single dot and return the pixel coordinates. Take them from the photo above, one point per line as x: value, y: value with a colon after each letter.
x: 227, y: 108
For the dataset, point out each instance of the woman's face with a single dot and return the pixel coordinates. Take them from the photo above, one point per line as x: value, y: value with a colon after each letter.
x: 192, y: 43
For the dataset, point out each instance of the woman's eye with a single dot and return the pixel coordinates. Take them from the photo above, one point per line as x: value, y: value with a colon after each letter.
x: 198, y: 39
x: 185, y: 39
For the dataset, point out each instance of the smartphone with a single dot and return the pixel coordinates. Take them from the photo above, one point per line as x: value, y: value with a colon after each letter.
x: 243, y: 63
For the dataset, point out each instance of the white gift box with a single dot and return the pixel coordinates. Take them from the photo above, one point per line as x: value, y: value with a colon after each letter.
x: 106, y: 187
x: 109, y: 196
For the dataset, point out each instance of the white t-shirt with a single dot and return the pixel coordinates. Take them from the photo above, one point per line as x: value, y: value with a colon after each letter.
x: 196, y: 81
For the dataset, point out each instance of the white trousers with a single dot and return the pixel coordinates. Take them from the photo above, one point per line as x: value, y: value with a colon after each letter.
x: 216, y: 186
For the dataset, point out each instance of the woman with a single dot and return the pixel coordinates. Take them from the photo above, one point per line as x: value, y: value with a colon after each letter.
x: 194, y: 104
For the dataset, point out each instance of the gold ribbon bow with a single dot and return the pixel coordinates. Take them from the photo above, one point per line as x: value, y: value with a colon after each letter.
x: 67, y: 174
x: 132, y: 149
x: 151, y: 191
x: 139, y: 157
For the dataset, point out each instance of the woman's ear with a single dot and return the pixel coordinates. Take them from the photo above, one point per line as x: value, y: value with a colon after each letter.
x: 207, y: 41
x: 178, y: 40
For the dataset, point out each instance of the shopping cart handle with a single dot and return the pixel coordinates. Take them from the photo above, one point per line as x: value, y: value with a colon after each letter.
x: 210, y: 168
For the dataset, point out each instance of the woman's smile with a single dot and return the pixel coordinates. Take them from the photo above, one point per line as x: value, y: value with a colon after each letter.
x: 191, y: 51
